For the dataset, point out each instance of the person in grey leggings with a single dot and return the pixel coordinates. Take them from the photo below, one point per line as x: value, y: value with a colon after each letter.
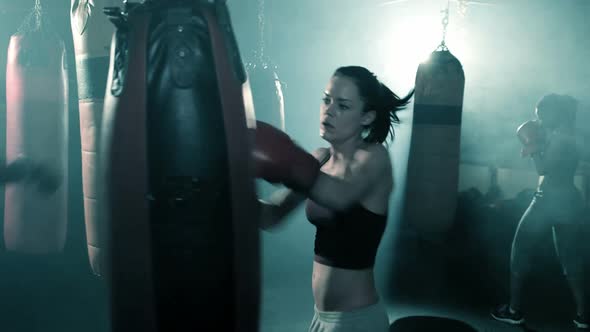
x: 557, y: 205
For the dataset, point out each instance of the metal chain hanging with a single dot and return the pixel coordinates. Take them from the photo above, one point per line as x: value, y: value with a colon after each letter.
x: 445, y: 23
x: 37, y: 14
x: 33, y: 21
x: 261, y: 34
x: 267, y: 88
x: 462, y: 7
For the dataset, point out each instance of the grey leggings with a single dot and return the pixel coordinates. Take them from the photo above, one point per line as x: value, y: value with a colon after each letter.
x: 560, y: 214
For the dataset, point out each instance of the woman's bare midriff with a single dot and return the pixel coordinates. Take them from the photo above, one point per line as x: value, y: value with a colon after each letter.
x: 336, y: 289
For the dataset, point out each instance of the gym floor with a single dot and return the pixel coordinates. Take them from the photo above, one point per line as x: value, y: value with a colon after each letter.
x: 74, y: 305
x: 289, y: 308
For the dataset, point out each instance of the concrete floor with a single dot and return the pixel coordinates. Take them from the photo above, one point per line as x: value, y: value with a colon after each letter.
x: 290, y: 309
x: 287, y: 306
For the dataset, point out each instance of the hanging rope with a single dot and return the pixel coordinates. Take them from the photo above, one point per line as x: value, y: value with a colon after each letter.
x: 445, y: 23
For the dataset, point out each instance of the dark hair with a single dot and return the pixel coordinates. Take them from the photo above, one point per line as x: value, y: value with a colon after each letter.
x: 561, y: 107
x: 378, y: 98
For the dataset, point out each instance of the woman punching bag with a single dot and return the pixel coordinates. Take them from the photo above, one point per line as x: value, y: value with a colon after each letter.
x: 433, y: 162
x: 179, y: 190
x: 92, y: 34
x: 35, y: 215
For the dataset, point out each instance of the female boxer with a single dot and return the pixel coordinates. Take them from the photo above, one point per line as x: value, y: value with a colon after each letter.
x: 556, y: 206
x: 347, y: 187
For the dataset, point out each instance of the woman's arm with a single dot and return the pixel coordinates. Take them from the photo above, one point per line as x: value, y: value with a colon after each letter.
x: 279, y: 206
x: 370, y: 167
x: 284, y: 201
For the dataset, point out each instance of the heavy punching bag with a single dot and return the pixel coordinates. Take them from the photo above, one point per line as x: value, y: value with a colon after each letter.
x: 92, y: 33
x: 433, y: 162
x: 35, y: 219
x: 179, y: 190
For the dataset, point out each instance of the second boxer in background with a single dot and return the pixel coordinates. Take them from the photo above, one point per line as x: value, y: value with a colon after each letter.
x: 556, y: 206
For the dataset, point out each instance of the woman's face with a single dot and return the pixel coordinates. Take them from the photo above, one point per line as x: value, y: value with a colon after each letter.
x: 341, y: 112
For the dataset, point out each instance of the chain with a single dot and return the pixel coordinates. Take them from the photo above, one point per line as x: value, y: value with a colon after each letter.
x: 37, y: 14
x: 462, y: 7
x: 261, y: 27
x: 445, y: 23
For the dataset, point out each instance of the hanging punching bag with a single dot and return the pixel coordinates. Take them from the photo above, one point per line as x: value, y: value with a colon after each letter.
x: 433, y: 162
x: 179, y: 190
x: 92, y: 33
x: 35, y: 215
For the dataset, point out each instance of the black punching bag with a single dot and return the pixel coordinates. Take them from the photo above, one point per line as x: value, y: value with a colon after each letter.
x: 180, y: 198
x: 433, y: 162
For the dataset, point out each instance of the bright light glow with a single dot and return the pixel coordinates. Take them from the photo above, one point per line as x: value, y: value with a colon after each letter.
x: 411, y: 39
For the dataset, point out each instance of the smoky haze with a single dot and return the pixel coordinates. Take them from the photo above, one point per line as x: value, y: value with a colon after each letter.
x: 512, y: 53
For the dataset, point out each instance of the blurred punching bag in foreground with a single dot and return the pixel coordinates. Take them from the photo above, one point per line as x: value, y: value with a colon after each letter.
x: 92, y: 33
x: 179, y: 192
x: 433, y: 164
x: 35, y: 215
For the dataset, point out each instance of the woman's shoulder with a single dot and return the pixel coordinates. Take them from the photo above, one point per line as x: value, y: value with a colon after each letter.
x: 320, y: 153
x: 376, y: 154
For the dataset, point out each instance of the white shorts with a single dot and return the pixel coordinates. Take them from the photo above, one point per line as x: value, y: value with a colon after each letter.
x: 368, y: 319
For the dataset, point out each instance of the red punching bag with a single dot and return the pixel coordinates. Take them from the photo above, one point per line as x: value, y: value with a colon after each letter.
x: 179, y: 194
x: 433, y: 163
x: 92, y: 34
x: 36, y: 128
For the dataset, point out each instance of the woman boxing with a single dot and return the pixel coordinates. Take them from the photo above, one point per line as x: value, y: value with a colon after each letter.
x: 556, y: 206
x: 347, y: 187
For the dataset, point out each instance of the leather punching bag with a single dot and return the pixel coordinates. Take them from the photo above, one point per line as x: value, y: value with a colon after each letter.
x: 36, y: 128
x: 179, y: 188
x: 92, y: 34
x: 433, y: 163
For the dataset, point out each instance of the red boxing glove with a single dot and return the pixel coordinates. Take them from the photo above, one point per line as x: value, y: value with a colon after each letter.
x: 532, y: 137
x: 278, y: 159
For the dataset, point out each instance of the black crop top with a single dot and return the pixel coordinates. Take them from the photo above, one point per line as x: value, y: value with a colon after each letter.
x: 347, y: 239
